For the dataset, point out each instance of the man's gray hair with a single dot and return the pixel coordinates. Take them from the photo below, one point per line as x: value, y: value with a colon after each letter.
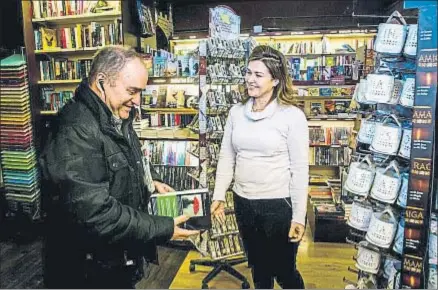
x: 110, y: 60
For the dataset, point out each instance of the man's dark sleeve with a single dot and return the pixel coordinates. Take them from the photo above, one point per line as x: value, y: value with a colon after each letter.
x: 154, y: 174
x: 70, y: 162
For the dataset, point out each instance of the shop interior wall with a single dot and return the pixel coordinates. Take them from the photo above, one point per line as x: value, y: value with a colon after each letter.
x: 192, y: 15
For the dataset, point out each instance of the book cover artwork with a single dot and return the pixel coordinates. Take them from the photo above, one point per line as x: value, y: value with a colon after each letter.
x: 192, y: 203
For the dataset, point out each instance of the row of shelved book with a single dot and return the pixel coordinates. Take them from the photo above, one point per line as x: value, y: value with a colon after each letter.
x: 327, y: 91
x: 327, y: 107
x: 322, y: 46
x: 178, y: 177
x: 164, y: 64
x: 324, y: 68
x: 80, y: 36
x: 54, y: 101
x: 174, y: 153
x: 329, y: 135
x: 329, y: 156
x: 169, y: 96
x: 57, y: 8
x: 168, y: 119
x: 64, y: 69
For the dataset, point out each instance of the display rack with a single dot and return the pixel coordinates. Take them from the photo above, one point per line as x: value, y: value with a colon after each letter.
x: 221, y: 66
x: 18, y: 154
x: 389, y: 178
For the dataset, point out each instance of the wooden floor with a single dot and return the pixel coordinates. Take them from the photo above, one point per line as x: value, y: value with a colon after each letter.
x: 21, y: 263
x: 322, y: 265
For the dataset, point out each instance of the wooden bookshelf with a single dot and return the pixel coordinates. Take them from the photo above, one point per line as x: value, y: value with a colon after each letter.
x: 168, y: 134
x: 54, y: 82
x: 33, y: 56
x: 73, y: 19
x: 172, y: 81
x: 171, y: 110
x: 321, y: 54
x: 67, y: 50
x: 324, y: 83
x: 332, y: 118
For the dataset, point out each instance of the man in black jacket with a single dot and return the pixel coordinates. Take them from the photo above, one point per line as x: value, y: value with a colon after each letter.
x: 96, y: 184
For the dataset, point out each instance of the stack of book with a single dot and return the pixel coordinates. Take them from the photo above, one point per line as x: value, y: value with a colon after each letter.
x: 321, y: 198
x: 18, y: 155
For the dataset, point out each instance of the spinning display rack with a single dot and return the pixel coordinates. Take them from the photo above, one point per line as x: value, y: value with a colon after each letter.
x: 221, y: 73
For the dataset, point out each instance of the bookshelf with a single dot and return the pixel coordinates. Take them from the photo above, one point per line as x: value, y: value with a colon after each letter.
x: 76, y: 30
x: 73, y: 19
x: 66, y: 50
x: 54, y: 82
x: 70, y: 24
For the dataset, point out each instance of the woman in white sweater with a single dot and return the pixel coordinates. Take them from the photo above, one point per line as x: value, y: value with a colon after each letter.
x: 265, y: 149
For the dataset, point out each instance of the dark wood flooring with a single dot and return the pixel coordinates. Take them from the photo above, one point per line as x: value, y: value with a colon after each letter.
x: 21, y: 265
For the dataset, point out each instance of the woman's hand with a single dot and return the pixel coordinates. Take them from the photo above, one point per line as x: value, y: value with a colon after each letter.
x: 296, y: 232
x: 217, y: 209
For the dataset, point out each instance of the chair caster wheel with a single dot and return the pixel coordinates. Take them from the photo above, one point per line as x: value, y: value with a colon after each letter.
x: 204, y: 286
x: 191, y: 268
x: 245, y: 285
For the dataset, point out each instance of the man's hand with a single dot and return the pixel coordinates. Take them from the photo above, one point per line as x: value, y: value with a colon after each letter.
x: 217, y: 209
x: 179, y: 233
x: 162, y: 187
x: 296, y: 232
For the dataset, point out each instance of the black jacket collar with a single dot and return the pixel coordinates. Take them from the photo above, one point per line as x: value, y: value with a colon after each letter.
x: 85, y: 95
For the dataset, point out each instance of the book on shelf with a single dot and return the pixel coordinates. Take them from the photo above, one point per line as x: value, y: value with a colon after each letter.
x: 336, y: 107
x: 80, y: 36
x: 177, y: 177
x: 64, y: 69
x: 330, y: 210
x: 173, y: 153
x: 329, y: 156
x: 319, y: 135
x: 171, y: 120
x: 192, y: 203
x: 57, y: 8
x: 52, y: 100
x: 325, y: 91
x: 169, y: 96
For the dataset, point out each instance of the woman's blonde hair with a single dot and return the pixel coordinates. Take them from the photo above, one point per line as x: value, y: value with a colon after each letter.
x: 277, y: 66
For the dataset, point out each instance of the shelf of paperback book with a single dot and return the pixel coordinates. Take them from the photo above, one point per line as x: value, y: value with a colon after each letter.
x: 73, y: 19
x: 168, y: 134
x: 320, y: 54
x: 172, y: 81
x: 66, y: 50
x: 324, y: 82
x: 170, y: 110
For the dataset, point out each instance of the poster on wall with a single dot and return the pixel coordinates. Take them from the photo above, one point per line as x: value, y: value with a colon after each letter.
x: 224, y: 23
